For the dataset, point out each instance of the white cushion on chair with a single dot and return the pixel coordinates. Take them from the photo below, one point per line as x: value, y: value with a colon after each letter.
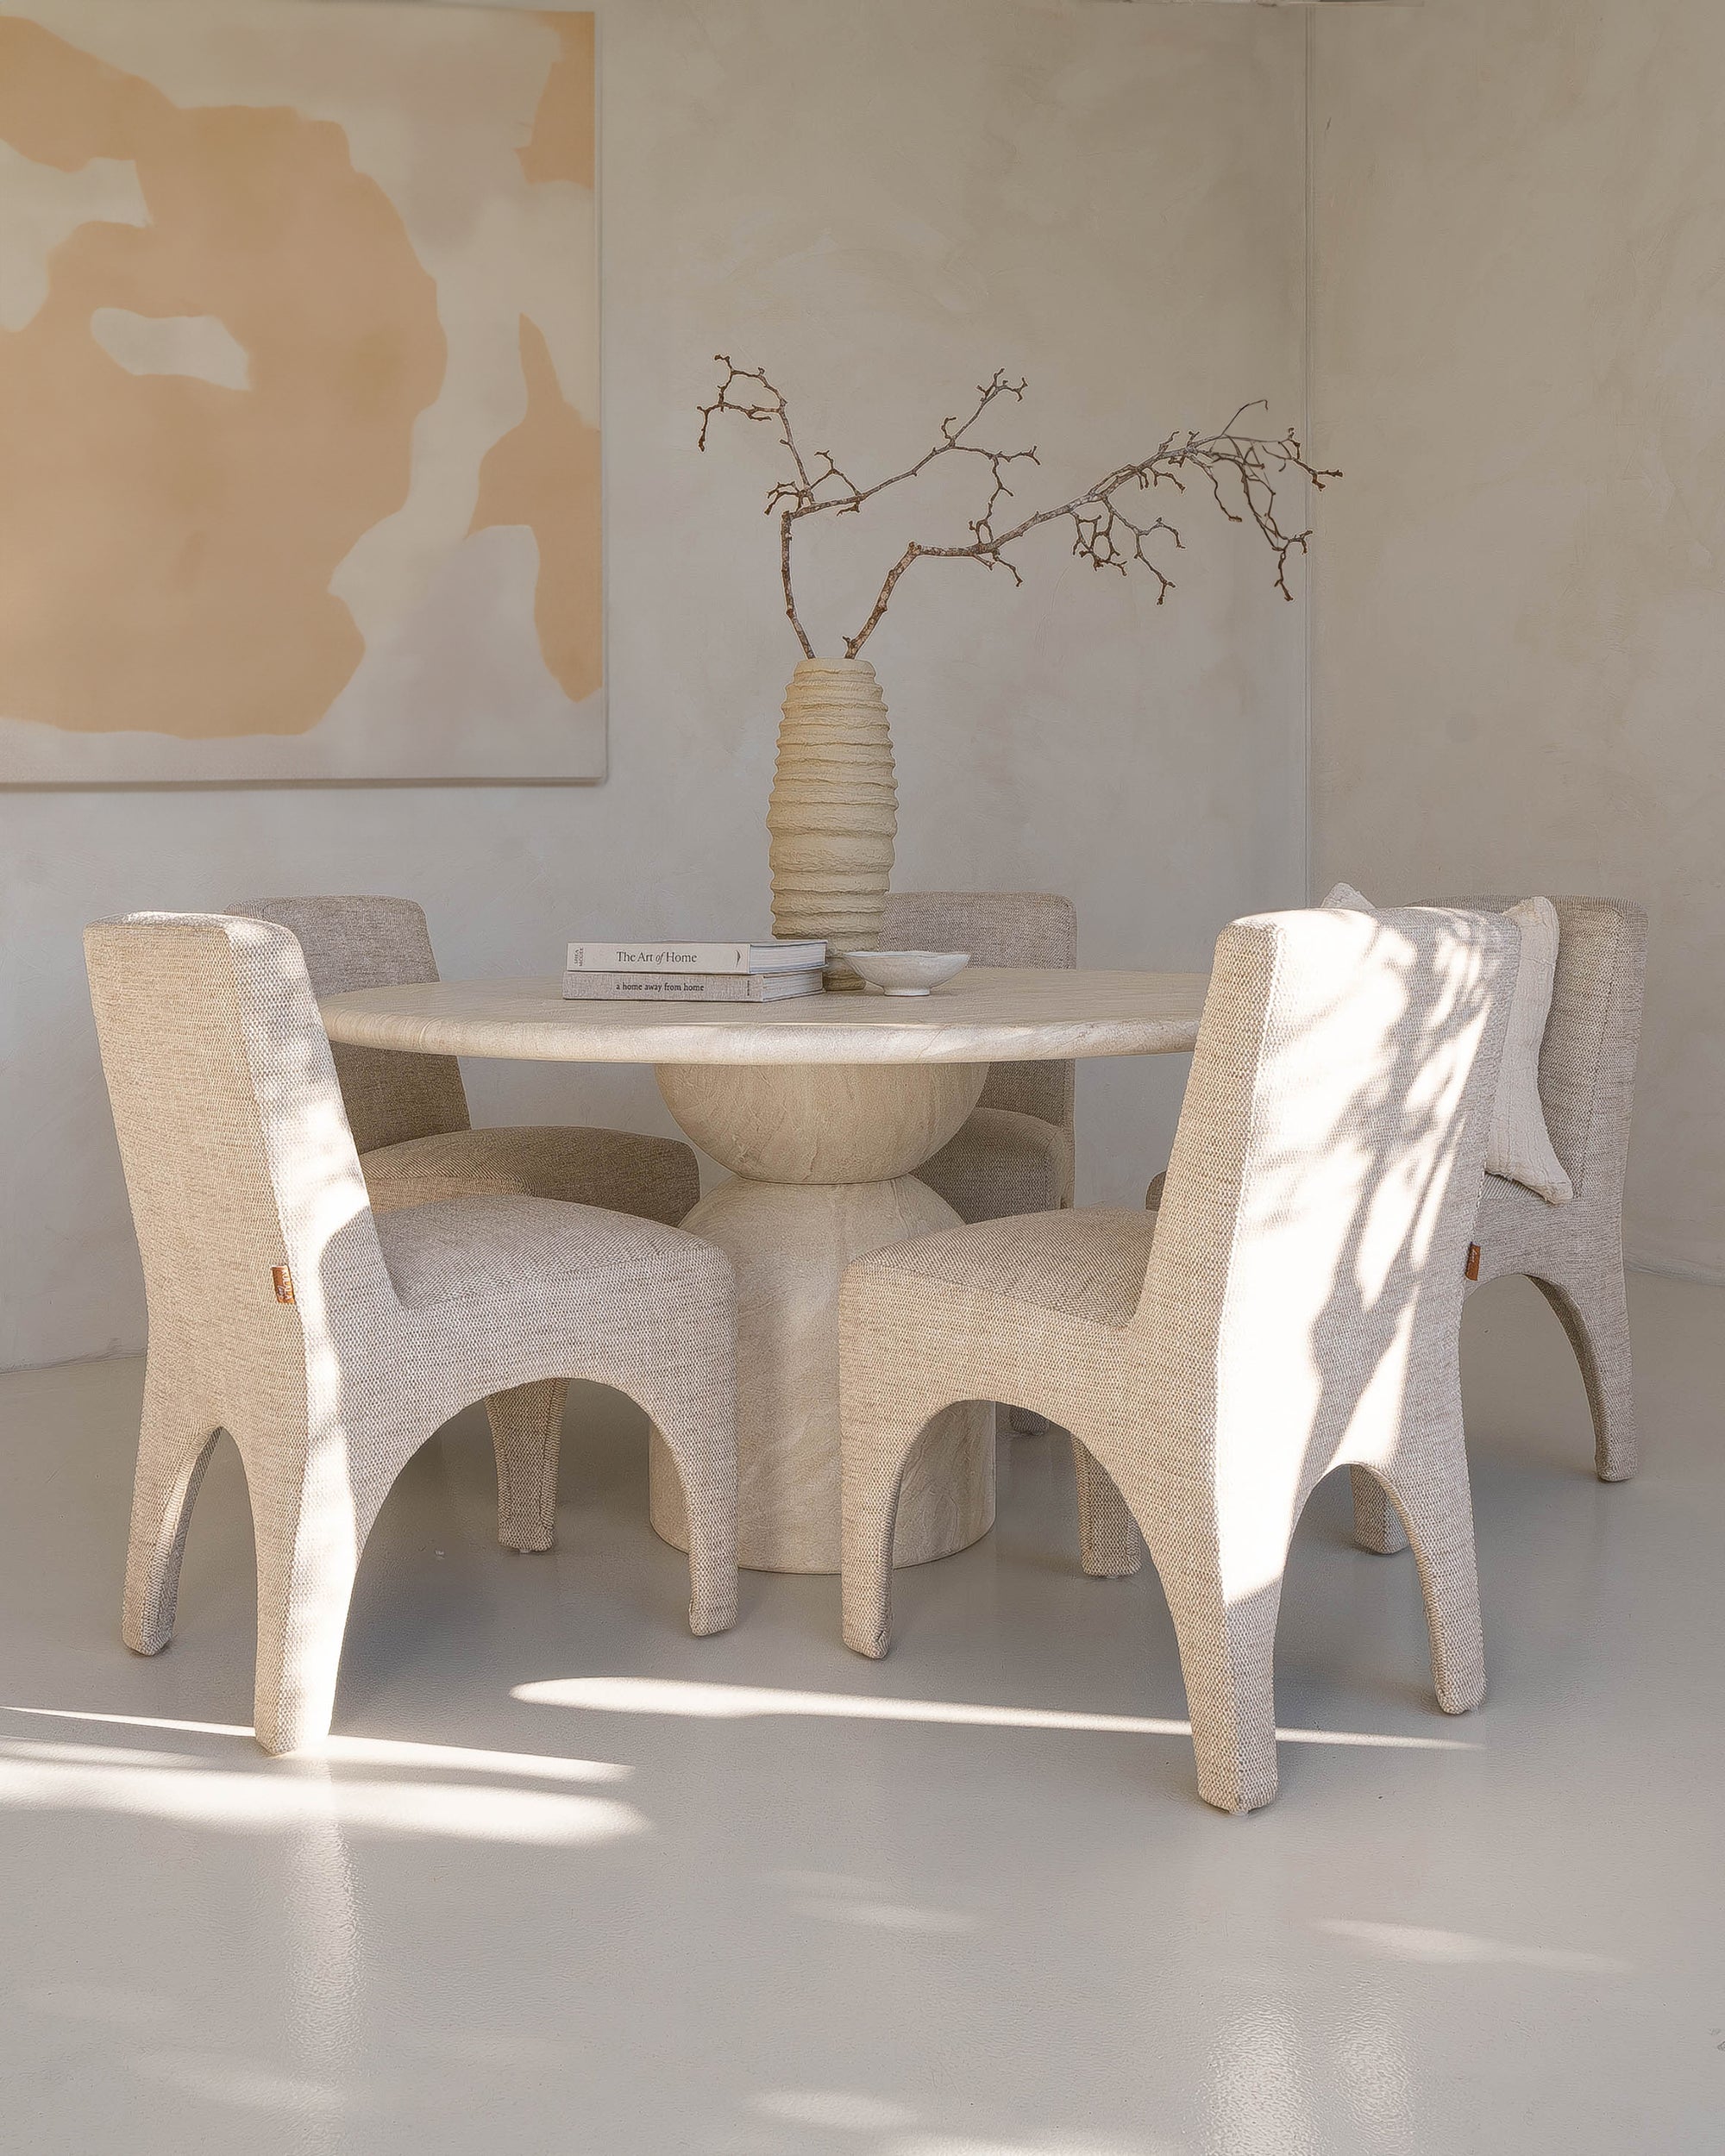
x: 1520, y: 1146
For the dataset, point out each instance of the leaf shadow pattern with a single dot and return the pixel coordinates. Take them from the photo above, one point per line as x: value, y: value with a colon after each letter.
x: 1299, y: 1312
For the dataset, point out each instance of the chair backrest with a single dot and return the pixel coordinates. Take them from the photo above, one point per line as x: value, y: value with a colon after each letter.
x: 1308, y: 1273
x: 237, y: 1155
x: 998, y: 928
x: 1587, y: 1061
x: 375, y: 943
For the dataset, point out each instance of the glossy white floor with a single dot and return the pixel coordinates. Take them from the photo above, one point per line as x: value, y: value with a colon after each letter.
x: 573, y: 1882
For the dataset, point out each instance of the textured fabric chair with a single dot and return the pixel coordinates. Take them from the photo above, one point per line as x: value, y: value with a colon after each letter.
x: 408, y: 1117
x: 1293, y: 1307
x: 331, y: 1340
x: 1573, y: 1253
x: 1014, y: 1154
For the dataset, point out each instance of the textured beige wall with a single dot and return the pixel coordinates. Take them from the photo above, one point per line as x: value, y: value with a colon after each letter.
x: 1519, y: 358
x: 885, y: 202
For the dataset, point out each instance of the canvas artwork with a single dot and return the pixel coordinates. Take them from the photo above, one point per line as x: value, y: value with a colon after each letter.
x: 300, y: 439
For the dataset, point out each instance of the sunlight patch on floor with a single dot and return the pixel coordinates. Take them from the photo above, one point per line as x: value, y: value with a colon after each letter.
x: 316, y: 1787
x: 835, y: 2111
x: 362, y: 1752
x: 727, y: 1702
x: 249, y: 2086
x: 246, y: 1802
x: 1456, y: 1950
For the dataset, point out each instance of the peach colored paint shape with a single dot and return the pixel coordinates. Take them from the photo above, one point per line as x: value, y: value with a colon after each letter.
x: 166, y: 544
x: 179, y: 526
x: 545, y: 473
x: 562, y: 145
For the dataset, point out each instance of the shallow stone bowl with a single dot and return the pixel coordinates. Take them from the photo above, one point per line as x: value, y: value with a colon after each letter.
x: 906, y: 973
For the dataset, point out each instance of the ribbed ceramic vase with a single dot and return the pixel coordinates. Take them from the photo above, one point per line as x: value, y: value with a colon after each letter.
x: 834, y: 811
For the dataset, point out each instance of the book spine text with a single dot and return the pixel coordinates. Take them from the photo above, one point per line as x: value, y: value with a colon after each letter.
x: 626, y: 987
x: 670, y: 958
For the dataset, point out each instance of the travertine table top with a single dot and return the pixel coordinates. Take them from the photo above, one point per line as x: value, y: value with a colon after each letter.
x: 989, y: 1014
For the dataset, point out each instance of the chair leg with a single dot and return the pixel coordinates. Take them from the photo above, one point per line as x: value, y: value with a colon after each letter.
x: 878, y: 1443
x: 1227, y: 1660
x: 699, y: 1427
x: 172, y: 1454
x: 1227, y: 1650
x: 1110, y: 1546
x: 1431, y: 1492
x: 308, y: 1555
x: 1376, y: 1524
x: 1597, y: 1319
x: 526, y: 1431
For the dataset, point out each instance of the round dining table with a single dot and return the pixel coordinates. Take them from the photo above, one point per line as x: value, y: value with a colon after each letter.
x: 823, y: 1107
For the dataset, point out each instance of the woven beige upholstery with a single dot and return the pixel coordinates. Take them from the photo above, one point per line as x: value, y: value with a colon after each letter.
x: 1015, y: 1154
x: 409, y: 1116
x: 650, y: 1177
x: 239, y: 1161
x: 1302, y: 1291
x: 396, y: 1101
x: 1573, y: 1253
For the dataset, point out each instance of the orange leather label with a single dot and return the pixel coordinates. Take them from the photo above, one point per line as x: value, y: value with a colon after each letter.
x: 284, y: 1283
x: 1472, y: 1267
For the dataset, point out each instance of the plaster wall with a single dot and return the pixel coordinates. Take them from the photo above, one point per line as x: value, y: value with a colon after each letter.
x: 1518, y: 353
x: 881, y: 204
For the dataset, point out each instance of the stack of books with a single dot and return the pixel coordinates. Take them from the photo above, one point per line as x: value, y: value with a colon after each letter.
x: 693, y: 972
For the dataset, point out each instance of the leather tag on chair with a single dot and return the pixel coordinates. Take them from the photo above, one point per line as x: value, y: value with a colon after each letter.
x: 284, y: 1283
x: 1471, y: 1271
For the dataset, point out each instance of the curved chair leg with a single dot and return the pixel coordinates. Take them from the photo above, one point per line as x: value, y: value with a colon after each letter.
x: 172, y: 1457
x: 1376, y: 1524
x: 1227, y: 1649
x: 697, y: 1423
x: 308, y: 1556
x: 526, y: 1432
x: 1431, y: 1491
x: 1110, y: 1546
x: 1227, y: 1660
x: 877, y: 1449
x: 1597, y: 1319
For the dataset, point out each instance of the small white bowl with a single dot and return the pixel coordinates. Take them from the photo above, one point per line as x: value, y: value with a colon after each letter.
x: 906, y: 973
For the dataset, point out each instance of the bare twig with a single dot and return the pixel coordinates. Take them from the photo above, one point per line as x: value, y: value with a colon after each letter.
x: 1240, y: 466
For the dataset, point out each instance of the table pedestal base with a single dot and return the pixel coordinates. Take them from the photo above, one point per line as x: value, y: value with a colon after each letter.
x: 789, y: 1245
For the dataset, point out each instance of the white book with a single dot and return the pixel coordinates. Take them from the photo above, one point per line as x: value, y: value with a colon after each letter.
x: 688, y: 987
x: 695, y: 958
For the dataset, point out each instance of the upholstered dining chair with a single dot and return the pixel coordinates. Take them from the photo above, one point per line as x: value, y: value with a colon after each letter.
x: 1015, y: 1152
x: 1292, y: 1307
x: 330, y: 1339
x: 1573, y: 1253
x: 408, y: 1117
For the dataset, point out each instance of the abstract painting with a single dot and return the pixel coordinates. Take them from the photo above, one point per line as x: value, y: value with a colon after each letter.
x: 299, y: 447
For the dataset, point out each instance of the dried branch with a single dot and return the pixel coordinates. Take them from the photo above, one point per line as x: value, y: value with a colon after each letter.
x: 772, y: 412
x: 1243, y: 467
